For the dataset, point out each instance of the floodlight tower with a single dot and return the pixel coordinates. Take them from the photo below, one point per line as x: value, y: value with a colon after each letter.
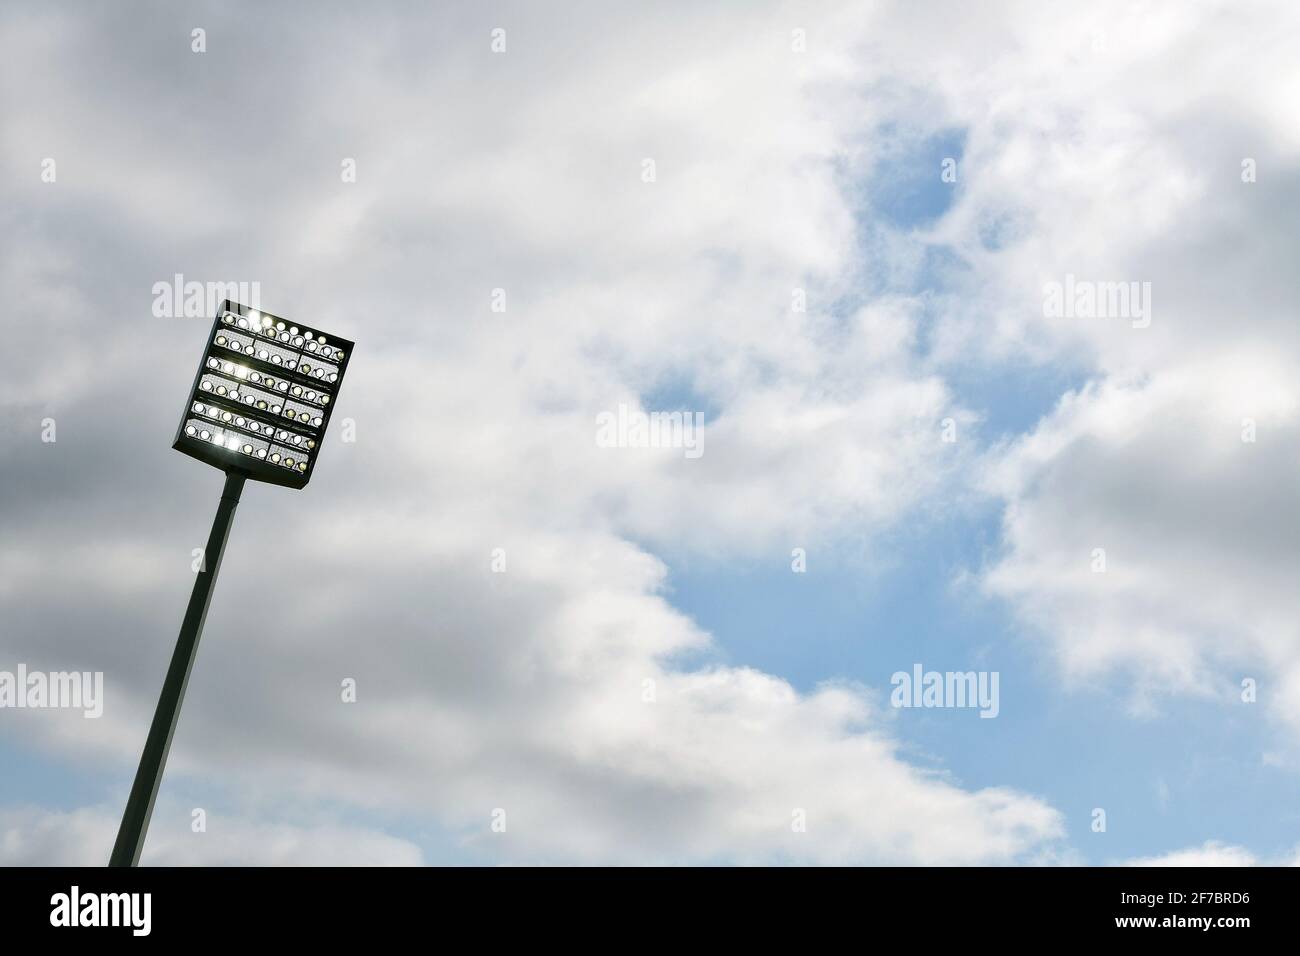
x: 259, y: 407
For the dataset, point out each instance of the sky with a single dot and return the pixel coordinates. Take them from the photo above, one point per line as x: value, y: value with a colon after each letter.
x: 829, y: 232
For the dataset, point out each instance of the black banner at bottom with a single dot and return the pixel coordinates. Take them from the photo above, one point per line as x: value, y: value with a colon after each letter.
x: 332, y: 906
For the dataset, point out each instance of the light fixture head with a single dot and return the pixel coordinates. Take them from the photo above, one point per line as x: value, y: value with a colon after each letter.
x: 262, y: 398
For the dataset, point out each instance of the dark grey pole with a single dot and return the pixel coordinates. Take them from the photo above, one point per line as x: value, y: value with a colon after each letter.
x: 139, y: 806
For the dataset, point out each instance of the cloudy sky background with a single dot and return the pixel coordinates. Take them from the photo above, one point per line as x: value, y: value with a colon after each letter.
x: 1105, y: 142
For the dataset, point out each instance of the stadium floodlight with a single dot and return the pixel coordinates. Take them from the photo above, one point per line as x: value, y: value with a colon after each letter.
x: 259, y: 408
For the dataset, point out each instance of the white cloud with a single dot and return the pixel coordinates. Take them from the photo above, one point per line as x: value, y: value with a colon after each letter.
x: 1107, y: 143
x: 1199, y: 537
x: 84, y: 837
x: 1212, y: 853
x: 528, y: 692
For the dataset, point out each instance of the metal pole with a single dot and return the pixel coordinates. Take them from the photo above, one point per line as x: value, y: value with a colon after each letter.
x: 139, y: 805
